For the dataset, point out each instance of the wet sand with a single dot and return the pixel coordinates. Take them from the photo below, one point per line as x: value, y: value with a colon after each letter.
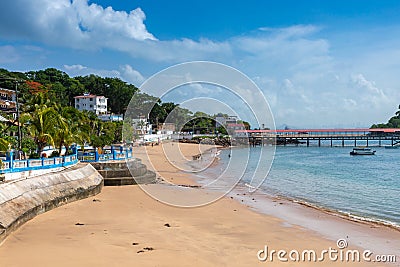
x: 123, y: 226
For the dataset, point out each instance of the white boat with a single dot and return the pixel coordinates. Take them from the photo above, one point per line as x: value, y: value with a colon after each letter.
x: 362, y: 151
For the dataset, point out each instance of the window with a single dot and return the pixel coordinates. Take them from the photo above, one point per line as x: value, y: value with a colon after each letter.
x: 77, y: 100
x: 77, y: 106
x: 91, y: 106
x: 91, y: 99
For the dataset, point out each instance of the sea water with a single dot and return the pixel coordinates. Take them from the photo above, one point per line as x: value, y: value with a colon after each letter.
x: 367, y: 187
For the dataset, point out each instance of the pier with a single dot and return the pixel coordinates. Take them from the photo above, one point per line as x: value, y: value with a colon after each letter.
x: 319, y: 137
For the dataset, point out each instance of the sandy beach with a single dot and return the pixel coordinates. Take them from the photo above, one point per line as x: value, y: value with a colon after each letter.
x: 123, y: 226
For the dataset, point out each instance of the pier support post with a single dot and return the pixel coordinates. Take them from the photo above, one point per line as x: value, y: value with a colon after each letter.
x: 380, y: 142
x: 355, y: 142
x: 343, y: 142
x: 367, y: 142
x: 308, y: 142
x: 331, y: 142
x: 319, y: 141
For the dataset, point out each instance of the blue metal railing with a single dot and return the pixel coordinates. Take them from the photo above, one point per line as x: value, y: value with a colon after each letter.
x: 11, y: 165
x: 115, y: 153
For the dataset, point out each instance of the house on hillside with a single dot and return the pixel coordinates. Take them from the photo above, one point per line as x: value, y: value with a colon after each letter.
x: 94, y: 103
x: 8, y: 101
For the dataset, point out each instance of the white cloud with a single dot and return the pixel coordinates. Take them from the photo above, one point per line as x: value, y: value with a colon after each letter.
x: 131, y: 75
x: 304, y: 79
x: 125, y: 73
x: 74, y: 68
x: 96, y: 20
x: 292, y: 31
x: 361, y: 82
x: 80, y: 25
x: 71, y: 23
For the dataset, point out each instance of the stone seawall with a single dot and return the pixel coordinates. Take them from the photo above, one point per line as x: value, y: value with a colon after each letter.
x: 23, y: 199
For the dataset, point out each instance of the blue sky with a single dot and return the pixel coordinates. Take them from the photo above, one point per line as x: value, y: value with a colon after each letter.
x: 319, y: 63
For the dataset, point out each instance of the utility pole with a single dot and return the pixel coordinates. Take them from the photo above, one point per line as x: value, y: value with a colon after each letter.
x: 19, y: 124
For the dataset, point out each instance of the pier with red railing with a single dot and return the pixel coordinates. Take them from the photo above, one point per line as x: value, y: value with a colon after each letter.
x: 319, y: 137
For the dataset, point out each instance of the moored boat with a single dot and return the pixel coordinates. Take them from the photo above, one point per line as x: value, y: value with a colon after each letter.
x: 362, y: 151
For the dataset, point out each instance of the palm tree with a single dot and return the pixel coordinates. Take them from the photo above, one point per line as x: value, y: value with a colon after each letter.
x: 3, y: 144
x: 76, y: 130
x: 32, y: 100
x: 42, y: 125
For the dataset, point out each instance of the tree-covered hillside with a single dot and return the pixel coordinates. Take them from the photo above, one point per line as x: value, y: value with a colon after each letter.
x: 61, y: 88
x: 47, y: 115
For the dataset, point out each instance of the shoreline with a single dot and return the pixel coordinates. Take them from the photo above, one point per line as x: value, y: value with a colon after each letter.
x: 344, y: 215
x: 307, y: 207
x: 124, y: 226
x: 336, y: 212
x: 377, y: 237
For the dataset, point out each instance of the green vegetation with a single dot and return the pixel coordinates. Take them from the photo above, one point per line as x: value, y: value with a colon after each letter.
x: 394, y: 122
x: 48, y: 116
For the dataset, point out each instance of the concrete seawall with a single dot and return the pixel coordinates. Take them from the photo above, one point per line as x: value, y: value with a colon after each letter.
x: 23, y: 199
x: 118, y: 173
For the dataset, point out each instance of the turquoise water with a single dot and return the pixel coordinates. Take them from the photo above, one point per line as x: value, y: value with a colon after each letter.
x: 328, y: 177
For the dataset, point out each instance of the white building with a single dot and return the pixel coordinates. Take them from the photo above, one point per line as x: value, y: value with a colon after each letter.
x: 141, y: 126
x: 94, y: 103
x: 8, y: 102
x: 224, y: 120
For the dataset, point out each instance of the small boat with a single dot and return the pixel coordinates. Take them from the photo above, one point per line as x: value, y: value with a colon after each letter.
x: 362, y: 151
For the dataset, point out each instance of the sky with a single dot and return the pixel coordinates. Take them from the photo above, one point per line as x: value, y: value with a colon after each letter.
x: 319, y: 64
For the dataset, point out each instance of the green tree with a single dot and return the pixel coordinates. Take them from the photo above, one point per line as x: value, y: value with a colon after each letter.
x: 103, y: 134
x: 77, y: 130
x: 3, y: 144
x: 128, y: 132
x: 42, y: 124
x: 118, y: 92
